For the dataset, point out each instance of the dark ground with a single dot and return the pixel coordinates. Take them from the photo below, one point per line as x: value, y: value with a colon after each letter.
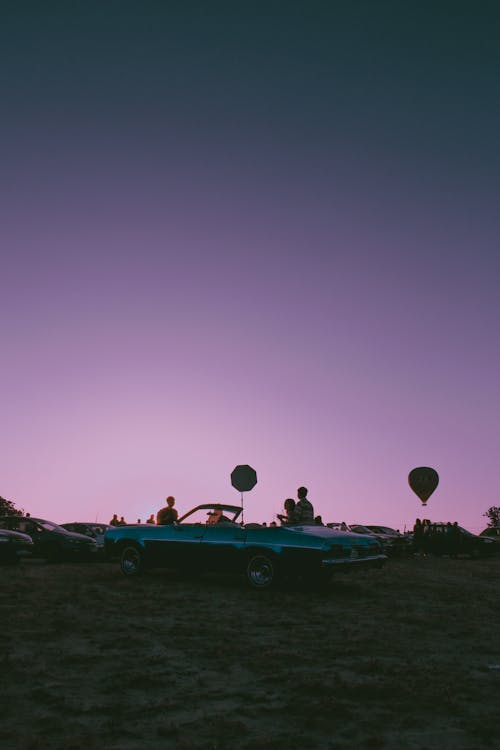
x: 397, y: 658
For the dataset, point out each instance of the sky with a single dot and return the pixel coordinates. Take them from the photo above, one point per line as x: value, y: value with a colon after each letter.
x: 257, y: 233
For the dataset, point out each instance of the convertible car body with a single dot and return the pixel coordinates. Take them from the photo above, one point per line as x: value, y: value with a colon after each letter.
x: 210, y: 539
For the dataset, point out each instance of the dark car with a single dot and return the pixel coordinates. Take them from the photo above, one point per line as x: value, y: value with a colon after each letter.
x: 383, y: 539
x: 492, y: 532
x: 395, y: 542
x: 14, y: 545
x: 210, y: 539
x: 447, y: 539
x: 51, y: 541
x: 95, y: 531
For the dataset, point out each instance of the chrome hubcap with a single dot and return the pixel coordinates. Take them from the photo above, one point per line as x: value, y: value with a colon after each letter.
x: 260, y: 571
x: 130, y: 561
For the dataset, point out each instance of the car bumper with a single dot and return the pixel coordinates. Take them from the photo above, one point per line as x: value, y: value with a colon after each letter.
x: 373, y: 561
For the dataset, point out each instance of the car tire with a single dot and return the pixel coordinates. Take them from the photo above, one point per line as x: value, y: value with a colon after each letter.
x: 261, y: 570
x: 132, y: 560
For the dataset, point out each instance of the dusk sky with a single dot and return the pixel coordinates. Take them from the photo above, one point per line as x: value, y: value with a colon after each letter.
x: 250, y: 232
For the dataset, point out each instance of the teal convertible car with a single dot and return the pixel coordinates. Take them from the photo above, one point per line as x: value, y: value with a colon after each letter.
x: 210, y: 539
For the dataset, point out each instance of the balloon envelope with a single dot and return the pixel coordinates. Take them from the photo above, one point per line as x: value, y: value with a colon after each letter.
x: 423, y: 480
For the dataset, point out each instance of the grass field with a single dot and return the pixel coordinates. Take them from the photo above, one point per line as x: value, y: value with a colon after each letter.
x: 402, y: 657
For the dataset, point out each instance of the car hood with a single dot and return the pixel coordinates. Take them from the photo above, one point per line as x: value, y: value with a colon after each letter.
x: 79, y: 537
x: 327, y: 534
x: 16, y: 536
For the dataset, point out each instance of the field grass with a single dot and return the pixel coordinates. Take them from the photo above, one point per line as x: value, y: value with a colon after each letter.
x: 396, y: 658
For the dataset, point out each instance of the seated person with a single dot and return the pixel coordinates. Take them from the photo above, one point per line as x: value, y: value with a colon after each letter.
x: 216, y: 516
x: 290, y: 518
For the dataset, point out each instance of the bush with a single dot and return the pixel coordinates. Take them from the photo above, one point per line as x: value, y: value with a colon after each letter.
x: 7, y: 508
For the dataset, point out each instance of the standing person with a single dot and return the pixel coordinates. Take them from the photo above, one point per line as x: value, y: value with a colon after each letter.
x: 304, y: 512
x: 289, y: 518
x: 168, y: 514
x: 426, y: 536
x: 151, y: 519
x: 122, y: 521
x: 418, y: 533
x: 114, y: 521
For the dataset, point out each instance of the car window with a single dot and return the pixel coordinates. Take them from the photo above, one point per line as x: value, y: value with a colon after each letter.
x: 24, y: 526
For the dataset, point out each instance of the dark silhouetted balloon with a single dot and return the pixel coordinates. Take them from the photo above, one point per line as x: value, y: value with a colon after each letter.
x: 423, y: 480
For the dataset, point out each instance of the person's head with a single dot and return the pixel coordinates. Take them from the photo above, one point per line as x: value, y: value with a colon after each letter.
x: 418, y: 522
x: 289, y: 504
x: 170, y: 501
x: 302, y: 493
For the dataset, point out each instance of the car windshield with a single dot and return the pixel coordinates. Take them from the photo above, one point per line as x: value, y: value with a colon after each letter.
x: 49, y: 526
x: 382, y: 529
x: 91, y: 529
x: 211, y: 515
x: 358, y: 529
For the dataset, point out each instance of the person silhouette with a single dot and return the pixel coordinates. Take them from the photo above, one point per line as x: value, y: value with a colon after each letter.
x: 168, y: 514
x: 289, y: 518
x: 304, y: 512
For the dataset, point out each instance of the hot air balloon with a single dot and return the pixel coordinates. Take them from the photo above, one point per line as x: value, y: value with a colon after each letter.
x: 423, y: 480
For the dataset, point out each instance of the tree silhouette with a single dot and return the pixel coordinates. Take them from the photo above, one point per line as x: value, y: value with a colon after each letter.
x: 493, y: 515
x: 7, y: 508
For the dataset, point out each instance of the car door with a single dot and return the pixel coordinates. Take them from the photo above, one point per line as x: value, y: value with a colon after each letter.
x: 221, y: 547
x: 174, y: 545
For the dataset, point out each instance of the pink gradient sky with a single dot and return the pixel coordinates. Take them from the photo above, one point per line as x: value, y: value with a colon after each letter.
x: 225, y: 277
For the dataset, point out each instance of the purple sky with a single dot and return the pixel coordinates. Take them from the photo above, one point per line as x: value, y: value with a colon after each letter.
x: 269, y: 240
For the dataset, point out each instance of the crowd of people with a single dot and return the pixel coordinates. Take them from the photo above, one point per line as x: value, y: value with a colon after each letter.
x: 424, y: 531
x: 166, y: 515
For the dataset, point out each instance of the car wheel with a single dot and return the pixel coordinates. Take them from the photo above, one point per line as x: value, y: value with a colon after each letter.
x: 261, y: 571
x: 132, y: 560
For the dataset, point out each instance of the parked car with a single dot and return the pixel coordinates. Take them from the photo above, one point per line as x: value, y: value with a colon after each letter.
x: 444, y: 539
x: 50, y: 540
x: 209, y: 539
x: 95, y: 531
x: 492, y: 532
x: 14, y: 545
x: 397, y: 543
x: 391, y: 543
